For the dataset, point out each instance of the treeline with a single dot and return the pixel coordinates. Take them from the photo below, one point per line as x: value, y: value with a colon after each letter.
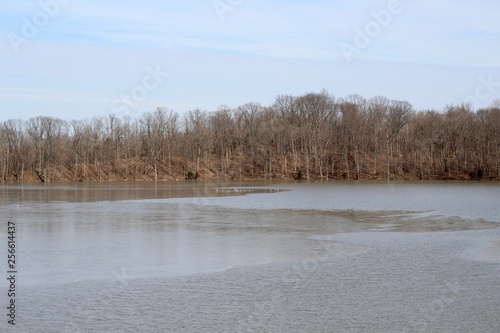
x: 313, y: 136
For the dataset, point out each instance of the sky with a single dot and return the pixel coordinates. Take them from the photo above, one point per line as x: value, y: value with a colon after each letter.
x: 76, y: 59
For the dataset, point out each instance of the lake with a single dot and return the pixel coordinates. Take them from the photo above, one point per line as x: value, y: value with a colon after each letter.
x: 254, y: 257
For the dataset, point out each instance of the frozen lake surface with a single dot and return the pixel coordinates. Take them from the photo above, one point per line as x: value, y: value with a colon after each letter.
x: 255, y: 257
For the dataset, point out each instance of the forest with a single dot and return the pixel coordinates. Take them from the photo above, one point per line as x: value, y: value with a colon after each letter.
x: 311, y: 137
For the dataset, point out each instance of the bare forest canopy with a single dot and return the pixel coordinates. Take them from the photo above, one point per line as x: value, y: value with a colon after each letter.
x: 313, y: 136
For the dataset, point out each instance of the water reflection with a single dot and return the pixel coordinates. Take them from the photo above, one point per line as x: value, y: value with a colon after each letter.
x: 95, y: 192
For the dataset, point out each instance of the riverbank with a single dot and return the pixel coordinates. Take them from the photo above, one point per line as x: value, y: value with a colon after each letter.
x: 177, y: 169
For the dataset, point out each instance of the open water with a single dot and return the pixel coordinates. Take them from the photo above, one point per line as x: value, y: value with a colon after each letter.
x: 253, y: 257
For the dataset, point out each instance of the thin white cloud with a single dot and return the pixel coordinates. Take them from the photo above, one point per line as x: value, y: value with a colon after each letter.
x: 42, y: 95
x: 95, y: 51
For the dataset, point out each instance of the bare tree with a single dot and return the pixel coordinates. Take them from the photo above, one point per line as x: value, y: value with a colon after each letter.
x: 196, y: 133
x: 222, y: 127
x: 352, y: 120
x: 399, y: 115
x: 158, y: 130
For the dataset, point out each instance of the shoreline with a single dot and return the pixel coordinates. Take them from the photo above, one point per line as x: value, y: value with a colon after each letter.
x: 258, y: 180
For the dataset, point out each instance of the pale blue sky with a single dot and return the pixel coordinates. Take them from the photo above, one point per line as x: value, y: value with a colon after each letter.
x: 84, y: 56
